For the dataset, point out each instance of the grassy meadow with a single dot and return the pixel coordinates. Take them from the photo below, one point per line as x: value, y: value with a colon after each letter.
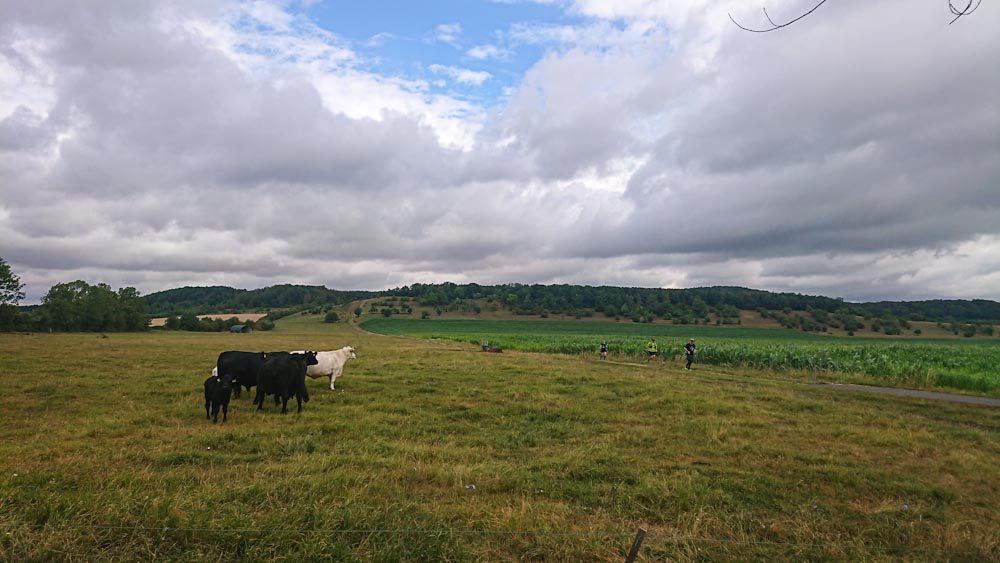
x: 432, y: 451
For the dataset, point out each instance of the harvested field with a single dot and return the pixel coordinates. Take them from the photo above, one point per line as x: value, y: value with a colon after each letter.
x: 243, y: 317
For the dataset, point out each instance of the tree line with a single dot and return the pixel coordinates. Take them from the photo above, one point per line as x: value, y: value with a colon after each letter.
x: 79, y: 306
x: 723, y: 302
x: 70, y: 307
x: 220, y: 299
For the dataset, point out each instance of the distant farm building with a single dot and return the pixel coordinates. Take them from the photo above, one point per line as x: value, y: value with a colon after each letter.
x: 245, y: 329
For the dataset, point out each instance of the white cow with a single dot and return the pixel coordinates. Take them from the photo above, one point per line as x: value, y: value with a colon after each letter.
x: 331, y: 364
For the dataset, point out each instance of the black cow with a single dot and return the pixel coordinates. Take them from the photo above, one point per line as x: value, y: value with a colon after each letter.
x: 242, y: 366
x: 283, y: 375
x: 217, y: 391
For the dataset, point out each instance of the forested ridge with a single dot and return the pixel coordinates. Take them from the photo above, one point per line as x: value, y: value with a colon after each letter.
x: 722, y: 301
x: 220, y: 299
x: 78, y: 306
x: 575, y: 300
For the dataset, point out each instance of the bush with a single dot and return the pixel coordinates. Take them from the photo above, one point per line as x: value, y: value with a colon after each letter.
x: 331, y: 317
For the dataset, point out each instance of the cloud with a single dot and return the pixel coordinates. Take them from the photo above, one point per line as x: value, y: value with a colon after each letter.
x: 448, y: 33
x: 485, y: 52
x: 461, y: 75
x: 162, y: 144
x: 23, y: 130
x: 380, y: 39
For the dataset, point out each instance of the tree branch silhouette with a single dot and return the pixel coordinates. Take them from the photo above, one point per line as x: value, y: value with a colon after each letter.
x: 970, y: 6
x: 959, y: 13
x: 775, y: 26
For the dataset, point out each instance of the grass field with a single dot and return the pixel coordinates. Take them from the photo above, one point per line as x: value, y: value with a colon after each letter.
x: 432, y: 451
x: 946, y: 364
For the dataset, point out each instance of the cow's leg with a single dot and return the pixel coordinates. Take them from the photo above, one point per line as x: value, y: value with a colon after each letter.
x: 215, y: 412
x: 236, y: 390
x: 208, y: 405
x: 225, y: 411
x: 332, y: 378
x: 284, y: 402
x: 298, y: 399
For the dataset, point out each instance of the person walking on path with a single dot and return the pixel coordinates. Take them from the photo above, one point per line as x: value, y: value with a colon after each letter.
x: 604, y: 349
x: 651, y: 349
x: 689, y: 350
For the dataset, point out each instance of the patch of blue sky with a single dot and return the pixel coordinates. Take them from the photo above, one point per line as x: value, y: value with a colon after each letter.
x: 273, y: 35
x: 462, y: 48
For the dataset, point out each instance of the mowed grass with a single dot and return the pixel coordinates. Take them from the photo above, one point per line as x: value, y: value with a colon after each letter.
x: 433, y: 451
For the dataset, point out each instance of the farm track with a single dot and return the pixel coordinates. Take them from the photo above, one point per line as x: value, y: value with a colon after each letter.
x: 968, y: 399
x: 901, y: 392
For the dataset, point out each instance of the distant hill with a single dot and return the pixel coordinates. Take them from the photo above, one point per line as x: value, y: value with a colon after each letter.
x: 219, y: 299
x: 716, y: 305
x: 189, y: 299
x: 975, y: 310
x: 721, y: 301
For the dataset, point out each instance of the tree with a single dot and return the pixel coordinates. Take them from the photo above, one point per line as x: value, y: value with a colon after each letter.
x: 189, y: 321
x: 11, y: 288
x: 11, y: 291
x: 79, y: 306
x: 62, y: 306
x: 331, y: 317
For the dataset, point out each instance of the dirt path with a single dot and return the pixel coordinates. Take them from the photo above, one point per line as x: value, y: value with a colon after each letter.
x: 918, y: 394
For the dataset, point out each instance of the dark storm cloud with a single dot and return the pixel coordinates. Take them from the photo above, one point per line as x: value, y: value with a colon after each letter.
x: 24, y: 130
x: 881, y: 143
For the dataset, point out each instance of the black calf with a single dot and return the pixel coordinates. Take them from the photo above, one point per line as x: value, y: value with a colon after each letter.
x: 218, y: 388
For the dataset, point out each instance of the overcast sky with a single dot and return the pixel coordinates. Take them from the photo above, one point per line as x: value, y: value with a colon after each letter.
x: 369, y: 145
